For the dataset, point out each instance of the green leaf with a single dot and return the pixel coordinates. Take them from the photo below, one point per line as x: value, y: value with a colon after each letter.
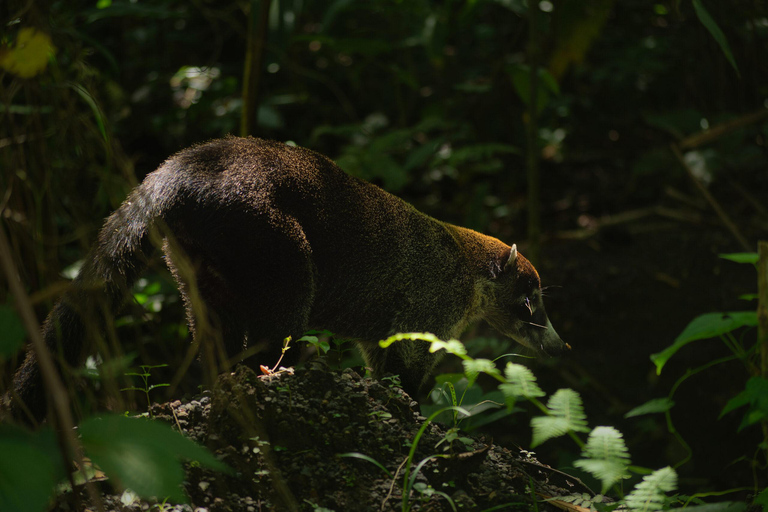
x: 356, y: 455
x: 702, y: 327
x: 474, y: 367
x: 12, y: 333
x: 649, y: 495
x: 762, y: 499
x: 755, y: 395
x: 651, y: 407
x: 30, y: 467
x: 143, y: 455
x: 567, y: 414
x: 709, y: 24
x: 741, y: 257
x: 521, y: 80
x: 606, y: 456
x: 520, y: 382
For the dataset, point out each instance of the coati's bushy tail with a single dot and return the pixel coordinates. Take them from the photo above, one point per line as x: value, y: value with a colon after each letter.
x: 107, y: 274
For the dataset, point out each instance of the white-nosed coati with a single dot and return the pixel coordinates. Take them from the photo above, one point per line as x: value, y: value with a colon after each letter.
x: 281, y: 240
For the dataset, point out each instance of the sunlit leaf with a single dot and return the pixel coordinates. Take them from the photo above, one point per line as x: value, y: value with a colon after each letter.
x: 520, y: 382
x: 656, y: 405
x: 605, y: 456
x: 705, y: 326
x: 741, y: 257
x: 29, y: 55
x: 567, y: 414
x: 649, y: 495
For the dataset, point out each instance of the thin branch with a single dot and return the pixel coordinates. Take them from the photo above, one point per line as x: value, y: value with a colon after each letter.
x: 726, y: 220
x: 53, y: 383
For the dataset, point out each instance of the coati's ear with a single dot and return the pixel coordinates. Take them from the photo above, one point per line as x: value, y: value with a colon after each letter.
x: 512, y: 256
x: 506, y: 258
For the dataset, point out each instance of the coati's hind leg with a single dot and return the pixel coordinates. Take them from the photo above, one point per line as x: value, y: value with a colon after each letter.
x: 214, y: 325
x: 253, y: 286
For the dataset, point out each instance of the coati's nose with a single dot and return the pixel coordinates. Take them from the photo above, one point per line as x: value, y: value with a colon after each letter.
x: 556, y: 349
x: 552, y: 344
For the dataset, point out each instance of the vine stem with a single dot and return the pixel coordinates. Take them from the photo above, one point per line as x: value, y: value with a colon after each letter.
x: 762, y: 319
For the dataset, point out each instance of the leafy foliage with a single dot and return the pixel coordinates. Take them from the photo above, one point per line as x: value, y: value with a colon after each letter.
x: 755, y: 397
x: 143, y: 455
x: 520, y: 383
x: 607, y: 458
x: 566, y: 415
x: 656, y: 405
x: 703, y: 327
x: 649, y: 495
x: 30, y: 467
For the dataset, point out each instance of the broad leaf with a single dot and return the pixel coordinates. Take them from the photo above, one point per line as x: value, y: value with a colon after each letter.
x: 702, y: 327
x: 709, y: 24
x: 651, y: 407
x: 30, y: 467
x: 741, y: 257
x: 143, y: 455
x: 755, y: 395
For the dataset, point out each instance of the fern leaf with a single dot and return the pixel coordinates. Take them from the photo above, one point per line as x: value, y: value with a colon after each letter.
x: 606, y: 455
x: 566, y: 414
x: 547, y: 427
x: 649, y: 495
x: 473, y: 368
x: 520, y: 382
x: 566, y: 403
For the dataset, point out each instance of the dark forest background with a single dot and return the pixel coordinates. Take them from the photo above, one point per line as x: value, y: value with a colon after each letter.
x: 431, y: 100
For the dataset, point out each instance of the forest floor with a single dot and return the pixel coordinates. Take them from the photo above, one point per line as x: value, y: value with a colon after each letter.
x: 285, y: 436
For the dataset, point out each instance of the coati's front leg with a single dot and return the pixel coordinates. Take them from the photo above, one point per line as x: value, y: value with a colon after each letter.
x: 410, y: 359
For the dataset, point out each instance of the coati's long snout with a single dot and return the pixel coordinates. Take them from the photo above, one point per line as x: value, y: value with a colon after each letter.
x: 268, y: 241
x: 518, y: 308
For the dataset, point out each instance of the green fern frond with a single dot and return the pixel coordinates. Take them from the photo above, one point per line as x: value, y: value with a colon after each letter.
x: 566, y: 414
x: 520, y: 383
x: 649, y: 495
x: 606, y: 455
x: 473, y: 368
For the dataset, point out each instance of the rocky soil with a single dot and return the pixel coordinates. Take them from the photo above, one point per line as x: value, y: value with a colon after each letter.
x: 287, y: 437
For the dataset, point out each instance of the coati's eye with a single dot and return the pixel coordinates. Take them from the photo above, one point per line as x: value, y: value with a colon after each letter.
x: 524, y: 310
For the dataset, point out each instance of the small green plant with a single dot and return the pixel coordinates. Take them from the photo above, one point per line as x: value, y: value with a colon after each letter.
x: 732, y: 328
x: 146, y: 387
x: 604, y: 455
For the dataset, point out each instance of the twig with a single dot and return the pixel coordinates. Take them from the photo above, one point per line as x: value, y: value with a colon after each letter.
x: 53, y: 383
x: 711, y: 200
x: 703, y: 137
x: 756, y: 204
x: 392, y: 485
x: 629, y: 216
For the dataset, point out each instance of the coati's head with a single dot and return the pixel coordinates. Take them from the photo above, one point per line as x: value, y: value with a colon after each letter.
x: 516, y: 308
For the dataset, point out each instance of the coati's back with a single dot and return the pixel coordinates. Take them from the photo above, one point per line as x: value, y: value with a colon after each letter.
x: 268, y: 240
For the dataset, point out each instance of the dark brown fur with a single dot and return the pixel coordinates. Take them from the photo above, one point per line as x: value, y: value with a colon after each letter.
x: 280, y: 240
